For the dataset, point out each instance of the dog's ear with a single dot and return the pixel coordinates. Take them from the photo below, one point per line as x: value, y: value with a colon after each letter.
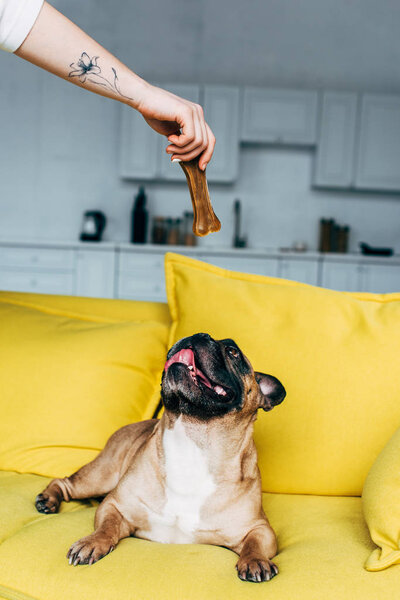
x: 272, y: 391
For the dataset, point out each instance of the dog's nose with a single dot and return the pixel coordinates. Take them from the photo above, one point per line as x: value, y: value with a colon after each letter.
x: 201, y: 337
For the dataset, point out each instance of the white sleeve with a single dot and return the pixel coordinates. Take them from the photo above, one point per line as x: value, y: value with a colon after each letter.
x: 17, y: 18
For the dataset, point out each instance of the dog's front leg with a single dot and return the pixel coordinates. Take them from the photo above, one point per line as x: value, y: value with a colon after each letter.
x: 255, y: 554
x: 110, y: 527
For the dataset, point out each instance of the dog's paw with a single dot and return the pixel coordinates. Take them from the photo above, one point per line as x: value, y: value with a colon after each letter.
x: 46, y: 504
x: 256, y: 570
x: 89, y: 550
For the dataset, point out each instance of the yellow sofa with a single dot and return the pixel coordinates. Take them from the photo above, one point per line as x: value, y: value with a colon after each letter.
x: 323, y: 538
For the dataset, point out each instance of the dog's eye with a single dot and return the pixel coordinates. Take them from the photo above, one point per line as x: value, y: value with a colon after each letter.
x: 232, y: 351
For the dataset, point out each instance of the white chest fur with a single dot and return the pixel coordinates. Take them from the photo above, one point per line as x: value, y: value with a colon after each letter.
x: 188, y: 484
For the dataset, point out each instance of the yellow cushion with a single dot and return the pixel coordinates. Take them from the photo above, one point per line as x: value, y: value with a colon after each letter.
x: 17, y: 508
x: 98, y: 309
x: 323, y: 544
x: 381, y: 504
x: 336, y: 353
x: 68, y: 383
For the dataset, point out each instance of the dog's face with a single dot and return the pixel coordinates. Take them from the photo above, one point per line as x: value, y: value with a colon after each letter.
x: 208, y: 378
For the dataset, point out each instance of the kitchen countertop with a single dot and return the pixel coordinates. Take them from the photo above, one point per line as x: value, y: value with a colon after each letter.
x: 202, y: 250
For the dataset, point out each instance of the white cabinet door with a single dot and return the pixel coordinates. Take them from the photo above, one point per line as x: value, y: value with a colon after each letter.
x: 279, y: 116
x: 380, y: 279
x: 257, y: 266
x: 378, y: 161
x: 139, y: 146
x: 95, y: 273
x: 140, y: 276
x: 342, y: 276
x: 166, y: 169
x: 303, y: 270
x: 221, y: 109
x: 334, y: 160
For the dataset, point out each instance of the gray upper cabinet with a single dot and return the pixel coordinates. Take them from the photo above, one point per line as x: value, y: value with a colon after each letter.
x: 334, y: 160
x: 168, y: 170
x: 279, y: 116
x: 221, y: 109
x: 378, y: 160
x: 139, y: 146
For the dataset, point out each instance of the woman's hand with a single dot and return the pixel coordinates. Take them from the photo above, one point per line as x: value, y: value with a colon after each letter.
x: 180, y: 120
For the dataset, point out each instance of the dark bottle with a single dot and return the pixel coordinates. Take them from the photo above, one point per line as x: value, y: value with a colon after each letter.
x: 139, y: 218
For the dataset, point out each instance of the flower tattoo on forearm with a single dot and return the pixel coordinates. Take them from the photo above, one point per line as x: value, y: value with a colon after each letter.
x: 87, y: 69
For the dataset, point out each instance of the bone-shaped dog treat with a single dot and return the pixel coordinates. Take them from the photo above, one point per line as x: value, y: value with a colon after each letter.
x: 205, y: 220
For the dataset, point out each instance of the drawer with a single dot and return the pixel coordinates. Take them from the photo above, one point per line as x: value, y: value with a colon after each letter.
x: 305, y: 271
x: 52, y: 258
x: 141, y: 286
x: 257, y: 266
x: 131, y: 261
x: 41, y: 283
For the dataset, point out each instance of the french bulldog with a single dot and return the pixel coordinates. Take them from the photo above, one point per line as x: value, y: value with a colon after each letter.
x: 191, y: 476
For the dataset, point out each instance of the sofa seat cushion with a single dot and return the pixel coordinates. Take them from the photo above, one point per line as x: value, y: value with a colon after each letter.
x: 17, y: 494
x: 323, y: 545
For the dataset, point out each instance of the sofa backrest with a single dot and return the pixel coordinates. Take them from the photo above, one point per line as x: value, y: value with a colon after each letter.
x: 336, y: 353
x: 96, y: 308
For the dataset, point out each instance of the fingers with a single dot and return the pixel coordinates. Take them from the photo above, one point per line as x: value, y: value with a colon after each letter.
x: 186, y: 120
x: 208, y: 152
x: 196, y: 137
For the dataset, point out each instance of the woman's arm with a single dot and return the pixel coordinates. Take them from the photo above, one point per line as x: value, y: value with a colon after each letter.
x: 59, y: 46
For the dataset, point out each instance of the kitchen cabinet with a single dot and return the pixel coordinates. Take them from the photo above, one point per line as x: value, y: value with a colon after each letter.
x: 378, y: 159
x: 221, y: 109
x: 140, y: 271
x: 360, y: 276
x: 36, y: 257
x: 299, y: 269
x: 255, y: 265
x: 95, y: 273
x: 40, y: 282
x: 341, y: 275
x: 142, y: 150
x: 279, y: 116
x: 109, y: 270
x: 380, y: 278
x: 58, y: 269
x: 139, y: 146
x: 140, y: 275
x: 334, y: 158
x: 37, y: 270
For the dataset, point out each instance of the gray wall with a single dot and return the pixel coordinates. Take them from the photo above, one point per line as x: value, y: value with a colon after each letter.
x: 59, y: 145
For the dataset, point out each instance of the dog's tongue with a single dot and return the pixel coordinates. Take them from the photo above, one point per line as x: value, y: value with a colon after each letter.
x: 186, y: 357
